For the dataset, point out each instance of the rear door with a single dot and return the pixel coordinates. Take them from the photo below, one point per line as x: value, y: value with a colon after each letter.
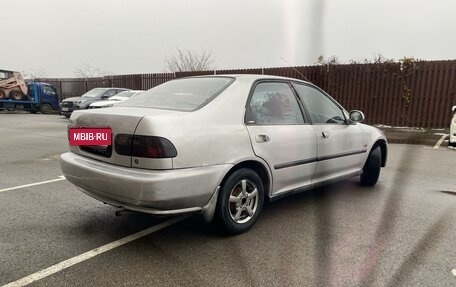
x: 340, y: 144
x: 281, y: 135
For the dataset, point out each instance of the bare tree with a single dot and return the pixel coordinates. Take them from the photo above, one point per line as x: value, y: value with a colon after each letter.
x: 87, y: 71
x: 33, y: 73
x: 189, y: 61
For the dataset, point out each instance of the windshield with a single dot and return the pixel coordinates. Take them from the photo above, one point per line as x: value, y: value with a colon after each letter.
x: 94, y: 93
x: 186, y: 94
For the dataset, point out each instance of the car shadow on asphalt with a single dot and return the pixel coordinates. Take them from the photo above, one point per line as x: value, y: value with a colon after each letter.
x: 291, y: 205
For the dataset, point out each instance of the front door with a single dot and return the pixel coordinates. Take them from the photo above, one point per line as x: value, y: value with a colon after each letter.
x: 281, y: 135
x: 340, y: 143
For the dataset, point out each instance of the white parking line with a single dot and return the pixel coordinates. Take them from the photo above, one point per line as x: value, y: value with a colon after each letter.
x: 33, y: 184
x: 92, y: 253
x: 437, y: 145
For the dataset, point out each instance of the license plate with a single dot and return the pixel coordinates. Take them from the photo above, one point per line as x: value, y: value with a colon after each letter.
x: 90, y: 136
x: 65, y: 109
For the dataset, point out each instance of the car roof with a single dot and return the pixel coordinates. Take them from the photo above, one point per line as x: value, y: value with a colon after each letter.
x: 29, y: 82
x: 111, y: 88
x: 252, y: 77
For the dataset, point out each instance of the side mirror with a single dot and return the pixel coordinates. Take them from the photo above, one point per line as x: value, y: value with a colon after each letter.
x: 356, y: 116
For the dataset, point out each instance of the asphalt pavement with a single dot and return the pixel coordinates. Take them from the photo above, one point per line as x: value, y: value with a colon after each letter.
x: 399, y: 233
x: 420, y: 136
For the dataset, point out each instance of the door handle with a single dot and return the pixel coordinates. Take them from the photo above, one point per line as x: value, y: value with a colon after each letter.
x: 324, y: 135
x: 262, y: 138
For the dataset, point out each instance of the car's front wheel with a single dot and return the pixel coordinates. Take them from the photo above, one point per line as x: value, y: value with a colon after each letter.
x: 240, y: 201
x: 371, y: 170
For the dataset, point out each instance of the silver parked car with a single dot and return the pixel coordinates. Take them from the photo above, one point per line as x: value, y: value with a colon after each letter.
x: 114, y: 100
x: 220, y: 146
x: 452, y: 139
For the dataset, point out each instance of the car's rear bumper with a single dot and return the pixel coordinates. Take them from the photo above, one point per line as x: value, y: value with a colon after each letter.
x: 152, y: 191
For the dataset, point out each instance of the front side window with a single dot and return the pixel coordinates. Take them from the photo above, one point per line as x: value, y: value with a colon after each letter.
x: 322, y: 110
x: 49, y: 91
x: 273, y: 103
x: 110, y: 93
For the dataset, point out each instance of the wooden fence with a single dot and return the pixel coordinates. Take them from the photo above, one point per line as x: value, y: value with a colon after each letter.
x: 413, y: 94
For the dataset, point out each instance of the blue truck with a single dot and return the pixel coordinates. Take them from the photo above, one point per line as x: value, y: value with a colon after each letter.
x: 40, y: 97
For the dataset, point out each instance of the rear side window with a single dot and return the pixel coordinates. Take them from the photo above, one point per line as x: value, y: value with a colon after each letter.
x: 186, y: 94
x: 30, y: 90
x: 273, y: 103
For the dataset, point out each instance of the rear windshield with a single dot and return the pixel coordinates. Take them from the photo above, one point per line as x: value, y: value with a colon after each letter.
x: 186, y: 94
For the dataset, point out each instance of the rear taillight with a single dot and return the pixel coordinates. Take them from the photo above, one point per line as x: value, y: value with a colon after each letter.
x: 122, y: 144
x: 144, y: 146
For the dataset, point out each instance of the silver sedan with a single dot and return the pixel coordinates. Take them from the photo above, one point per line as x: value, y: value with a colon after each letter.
x: 221, y: 146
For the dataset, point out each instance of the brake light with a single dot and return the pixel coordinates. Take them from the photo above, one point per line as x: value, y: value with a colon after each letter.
x: 122, y: 143
x: 144, y: 146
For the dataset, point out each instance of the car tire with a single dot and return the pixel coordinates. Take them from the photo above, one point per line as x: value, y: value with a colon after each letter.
x: 371, y: 170
x: 2, y: 94
x: 450, y: 144
x: 16, y: 95
x: 45, y: 108
x: 67, y: 116
x: 240, y: 201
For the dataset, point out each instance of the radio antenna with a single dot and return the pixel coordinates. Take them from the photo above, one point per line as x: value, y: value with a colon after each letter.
x: 296, y: 70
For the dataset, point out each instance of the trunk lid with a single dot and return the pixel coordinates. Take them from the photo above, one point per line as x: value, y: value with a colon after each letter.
x: 121, y: 120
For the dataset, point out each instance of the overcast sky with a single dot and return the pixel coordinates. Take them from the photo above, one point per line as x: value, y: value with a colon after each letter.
x: 135, y: 36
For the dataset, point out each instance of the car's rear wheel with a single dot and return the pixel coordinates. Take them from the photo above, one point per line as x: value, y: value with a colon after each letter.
x: 2, y: 94
x: 45, y: 108
x: 371, y: 170
x: 450, y: 144
x: 240, y: 201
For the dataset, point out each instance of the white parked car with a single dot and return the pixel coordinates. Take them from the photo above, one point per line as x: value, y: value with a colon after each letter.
x: 452, y: 141
x: 220, y: 146
x: 120, y: 97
